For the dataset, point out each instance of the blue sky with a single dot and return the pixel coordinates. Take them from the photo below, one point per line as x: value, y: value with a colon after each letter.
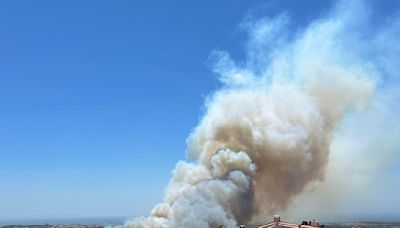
x: 97, y: 97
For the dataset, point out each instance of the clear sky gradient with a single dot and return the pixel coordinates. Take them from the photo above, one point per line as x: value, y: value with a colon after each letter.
x: 98, y: 97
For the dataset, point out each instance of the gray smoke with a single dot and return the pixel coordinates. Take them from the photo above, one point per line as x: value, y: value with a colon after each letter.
x: 267, y: 133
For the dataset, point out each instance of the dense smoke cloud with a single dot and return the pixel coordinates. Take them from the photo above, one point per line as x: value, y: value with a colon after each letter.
x: 282, y: 117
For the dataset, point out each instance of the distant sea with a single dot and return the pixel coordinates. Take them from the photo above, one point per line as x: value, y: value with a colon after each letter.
x: 368, y: 217
x: 340, y: 218
x: 83, y: 220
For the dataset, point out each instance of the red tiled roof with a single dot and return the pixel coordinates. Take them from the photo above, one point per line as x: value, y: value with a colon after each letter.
x: 285, y: 225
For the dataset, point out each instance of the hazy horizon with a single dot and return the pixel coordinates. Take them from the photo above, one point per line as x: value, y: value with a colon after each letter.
x: 120, y: 220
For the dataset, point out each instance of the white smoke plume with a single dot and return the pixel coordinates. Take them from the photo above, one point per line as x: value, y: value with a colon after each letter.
x: 284, y: 117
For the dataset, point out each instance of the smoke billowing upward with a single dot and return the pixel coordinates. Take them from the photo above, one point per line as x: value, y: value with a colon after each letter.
x: 267, y: 134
